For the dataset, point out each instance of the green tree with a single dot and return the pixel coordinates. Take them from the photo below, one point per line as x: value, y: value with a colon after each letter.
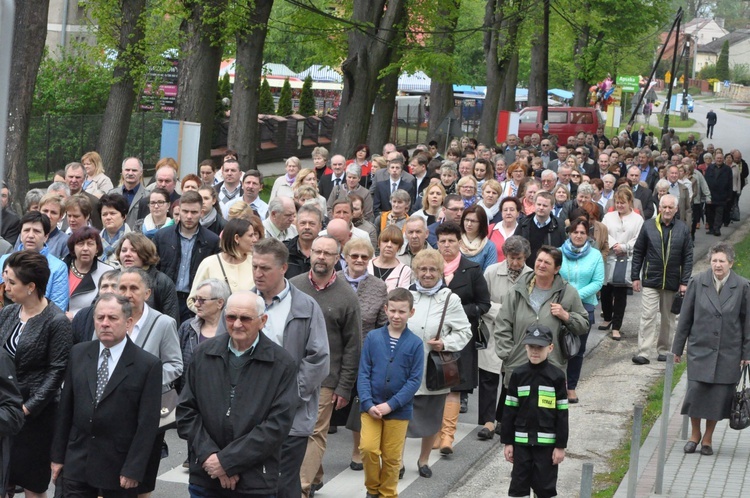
x: 285, y: 100
x: 224, y: 91
x: 307, y: 98
x: 722, y: 65
x: 265, y: 104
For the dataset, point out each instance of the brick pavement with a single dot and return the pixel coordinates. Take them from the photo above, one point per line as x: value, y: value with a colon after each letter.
x: 725, y: 474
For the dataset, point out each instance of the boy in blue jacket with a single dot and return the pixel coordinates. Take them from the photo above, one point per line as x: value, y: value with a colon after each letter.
x: 390, y: 373
x: 535, y: 420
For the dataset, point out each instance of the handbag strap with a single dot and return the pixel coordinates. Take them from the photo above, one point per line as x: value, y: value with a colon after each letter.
x: 562, y: 292
x: 221, y: 265
x: 442, y: 317
x: 745, y: 374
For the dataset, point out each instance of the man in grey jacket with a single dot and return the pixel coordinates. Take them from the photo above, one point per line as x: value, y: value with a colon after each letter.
x: 295, y: 322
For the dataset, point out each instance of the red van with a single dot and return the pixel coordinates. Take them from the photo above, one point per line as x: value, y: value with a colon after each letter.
x: 563, y: 121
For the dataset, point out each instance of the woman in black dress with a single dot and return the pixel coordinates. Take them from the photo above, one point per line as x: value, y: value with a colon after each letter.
x: 37, y: 335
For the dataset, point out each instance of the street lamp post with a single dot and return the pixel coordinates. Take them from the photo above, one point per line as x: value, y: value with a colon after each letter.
x: 7, y: 19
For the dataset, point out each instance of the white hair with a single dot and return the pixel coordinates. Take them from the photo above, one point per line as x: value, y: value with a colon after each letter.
x: 260, y: 304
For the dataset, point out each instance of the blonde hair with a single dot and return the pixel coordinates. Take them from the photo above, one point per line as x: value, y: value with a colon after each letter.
x: 95, y: 158
x: 301, y: 175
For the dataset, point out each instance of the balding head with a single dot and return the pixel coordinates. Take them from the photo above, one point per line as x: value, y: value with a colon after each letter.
x: 339, y: 230
x: 247, y: 299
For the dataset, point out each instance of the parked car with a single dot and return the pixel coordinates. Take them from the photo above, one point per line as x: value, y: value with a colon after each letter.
x: 563, y: 121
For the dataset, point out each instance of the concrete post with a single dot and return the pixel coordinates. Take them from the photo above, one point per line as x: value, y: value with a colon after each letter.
x: 661, y: 460
x: 635, y: 447
x: 7, y: 20
x: 587, y: 480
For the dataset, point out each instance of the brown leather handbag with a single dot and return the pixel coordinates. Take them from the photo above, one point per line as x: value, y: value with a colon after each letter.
x: 443, y: 367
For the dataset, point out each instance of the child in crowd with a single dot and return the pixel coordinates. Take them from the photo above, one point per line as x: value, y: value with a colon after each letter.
x: 535, y: 420
x: 390, y: 373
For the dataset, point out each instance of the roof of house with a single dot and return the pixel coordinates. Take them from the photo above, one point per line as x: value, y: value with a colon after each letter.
x: 734, y: 38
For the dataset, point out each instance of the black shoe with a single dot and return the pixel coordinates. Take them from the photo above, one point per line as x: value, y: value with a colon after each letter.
x: 333, y: 429
x: 313, y: 488
x: 497, y: 428
x: 370, y: 495
x: 706, y: 450
x: 485, y: 434
x: 356, y: 466
x: 401, y: 472
x: 186, y: 463
x: 717, y: 233
x: 690, y: 447
x: 424, y: 471
x: 661, y: 357
x: 640, y: 360
x: 605, y: 327
x: 464, y: 403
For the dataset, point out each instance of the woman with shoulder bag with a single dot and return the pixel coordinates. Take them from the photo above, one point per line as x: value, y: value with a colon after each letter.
x: 623, y: 226
x: 440, y: 321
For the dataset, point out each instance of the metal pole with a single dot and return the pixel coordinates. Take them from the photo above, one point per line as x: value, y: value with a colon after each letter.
x: 667, y: 395
x: 653, y: 69
x: 685, y: 81
x: 7, y: 19
x: 587, y: 480
x: 685, y: 420
x: 665, y: 126
x: 635, y: 447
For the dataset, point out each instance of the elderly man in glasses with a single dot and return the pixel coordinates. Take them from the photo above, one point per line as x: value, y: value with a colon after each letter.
x: 238, y: 405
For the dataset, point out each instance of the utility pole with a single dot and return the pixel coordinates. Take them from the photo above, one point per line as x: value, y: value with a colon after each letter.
x: 665, y: 127
x: 686, y: 80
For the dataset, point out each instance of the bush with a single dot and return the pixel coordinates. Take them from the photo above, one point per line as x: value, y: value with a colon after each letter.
x: 694, y: 90
x: 722, y: 64
x: 285, y: 100
x: 307, y: 98
x: 265, y: 99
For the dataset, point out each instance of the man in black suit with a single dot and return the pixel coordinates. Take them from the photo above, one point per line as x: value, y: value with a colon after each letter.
x: 108, y: 415
x: 418, y: 167
x: 381, y: 200
x: 11, y: 222
x: 336, y: 179
x: 640, y: 192
x: 639, y: 137
x: 649, y: 174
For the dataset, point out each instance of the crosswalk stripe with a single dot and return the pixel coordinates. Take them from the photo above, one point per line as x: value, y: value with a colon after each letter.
x: 348, y: 481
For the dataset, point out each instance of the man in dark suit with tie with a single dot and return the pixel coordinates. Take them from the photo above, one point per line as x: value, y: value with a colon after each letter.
x: 418, y: 166
x: 640, y: 192
x: 649, y: 173
x: 381, y: 201
x: 108, y: 415
x: 328, y: 183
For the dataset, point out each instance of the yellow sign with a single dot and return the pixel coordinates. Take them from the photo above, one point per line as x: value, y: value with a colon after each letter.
x: 546, y: 401
x: 668, y: 77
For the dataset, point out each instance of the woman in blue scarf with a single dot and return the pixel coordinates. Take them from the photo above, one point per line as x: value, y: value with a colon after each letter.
x: 583, y: 268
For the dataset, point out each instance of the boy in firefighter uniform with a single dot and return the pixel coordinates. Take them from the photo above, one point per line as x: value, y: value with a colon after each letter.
x: 535, y: 421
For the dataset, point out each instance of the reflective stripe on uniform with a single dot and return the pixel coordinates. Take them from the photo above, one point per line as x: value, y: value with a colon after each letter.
x: 522, y: 437
x: 546, y: 391
x: 524, y: 390
x: 546, y: 438
x: 511, y: 400
x: 562, y: 404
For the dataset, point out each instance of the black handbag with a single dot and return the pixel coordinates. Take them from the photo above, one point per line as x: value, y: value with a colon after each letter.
x: 677, y: 303
x: 734, y: 214
x: 621, y: 272
x: 443, y: 367
x: 570, y: 343
x: 483, y: 331
x: 739, y: 416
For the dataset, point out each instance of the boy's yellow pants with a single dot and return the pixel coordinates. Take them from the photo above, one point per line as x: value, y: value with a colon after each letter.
x: 381, y: 444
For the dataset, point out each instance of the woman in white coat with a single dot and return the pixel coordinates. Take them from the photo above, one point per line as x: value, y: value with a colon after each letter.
x: 431, y: 297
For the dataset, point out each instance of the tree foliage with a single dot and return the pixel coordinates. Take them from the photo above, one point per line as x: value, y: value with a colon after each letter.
x: 75, y: 83
x: 307, y: 98
x: 722, y: 64
x: 285, y: 100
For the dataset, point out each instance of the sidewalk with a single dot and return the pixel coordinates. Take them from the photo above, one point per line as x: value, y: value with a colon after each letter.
x: 724, y: 474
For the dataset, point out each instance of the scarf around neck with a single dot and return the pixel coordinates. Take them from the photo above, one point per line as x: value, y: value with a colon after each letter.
x: 210, y: 218
x: 450, y: 268
x: 471, y: 248
x: 429, y: 292
x: 572, y: 252
x: 354, y: 282
x: 491, y: 211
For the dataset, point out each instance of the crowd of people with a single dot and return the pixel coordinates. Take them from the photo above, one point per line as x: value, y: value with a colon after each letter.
x: 257, y: 328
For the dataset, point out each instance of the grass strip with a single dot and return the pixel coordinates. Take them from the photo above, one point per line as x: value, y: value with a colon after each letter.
x: 607, y: 483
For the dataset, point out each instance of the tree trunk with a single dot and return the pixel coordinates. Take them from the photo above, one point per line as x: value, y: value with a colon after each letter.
x: 508, y: 95
x: 382, y: 118
x: 370, y: 51
x: 199, y: 68
x: 29, y: 33
x: 499, y: 44
x: 243, y: 120
x: 441, y: 83
x: 538, y: 70
x: 116, y: 120
x: 580, y: 92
